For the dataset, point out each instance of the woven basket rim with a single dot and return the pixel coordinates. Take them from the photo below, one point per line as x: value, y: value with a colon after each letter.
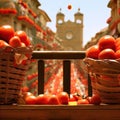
x: 103, y: 66
x: 21, y: 50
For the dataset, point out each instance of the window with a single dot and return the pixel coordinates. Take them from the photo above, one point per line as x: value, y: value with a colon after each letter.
x: 78, y: 21
x: 60, y: 21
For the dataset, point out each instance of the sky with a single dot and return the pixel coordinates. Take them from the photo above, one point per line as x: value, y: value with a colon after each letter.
x: 95, y: 13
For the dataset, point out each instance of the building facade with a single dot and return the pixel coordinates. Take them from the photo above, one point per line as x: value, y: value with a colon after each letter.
x: 26, y: 15
x: 113, y: 23
x: 70, y: 32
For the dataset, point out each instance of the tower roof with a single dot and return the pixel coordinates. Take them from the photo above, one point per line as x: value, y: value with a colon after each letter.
x: 60, y: 13
x: 45, y: 15
x: 78, y: 12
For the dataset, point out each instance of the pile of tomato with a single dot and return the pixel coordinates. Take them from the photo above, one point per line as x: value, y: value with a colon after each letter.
x: 107, y: 47
x: 62, y: 98
x: 11, y: 38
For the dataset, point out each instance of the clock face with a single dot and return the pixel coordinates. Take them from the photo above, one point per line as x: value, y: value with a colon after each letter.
x: 69, y: 35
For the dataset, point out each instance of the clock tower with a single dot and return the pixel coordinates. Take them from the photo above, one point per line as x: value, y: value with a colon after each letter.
x: 70, y: 32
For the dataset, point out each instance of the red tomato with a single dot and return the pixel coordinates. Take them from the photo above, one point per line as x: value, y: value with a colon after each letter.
x: 53, y: 100
x: 24, y: 62
x: 42, y: 99
x: 25, y: 89
x: 117, y: 43
x: 15, y: 42
x: 93, y: 52
x: 77, y: 97
x: 95, y: 99
x: 6, y: 32
x: 82, y: 101
x: 28, y: 41
x: 69, y: 6
x: 23, y: 37
x: 72, y: 98
x: 107, y: 41
x: 23, y: 44
x: 31, y: 100
x: 118, y: 47
x: 117, y: 54
x: 107, y: 54
x: 29, y: 77
x: 26, y: 94
x: 63, y: 97
x: 117, y: 40
x: 3, y: 44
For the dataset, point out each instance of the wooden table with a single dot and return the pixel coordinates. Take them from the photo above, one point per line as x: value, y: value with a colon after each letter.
x: 60, y: 112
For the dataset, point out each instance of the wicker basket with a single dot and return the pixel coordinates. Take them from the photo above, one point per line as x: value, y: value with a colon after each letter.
x: 105, y: 79
x: 11, y: 74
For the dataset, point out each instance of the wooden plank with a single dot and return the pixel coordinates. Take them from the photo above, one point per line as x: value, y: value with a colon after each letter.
x: 58, y: 54
x: 66, y: 76
x: 60, y: 112
x: 41, y: 73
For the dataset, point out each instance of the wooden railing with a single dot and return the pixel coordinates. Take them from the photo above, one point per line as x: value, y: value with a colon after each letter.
x: 66, y: 56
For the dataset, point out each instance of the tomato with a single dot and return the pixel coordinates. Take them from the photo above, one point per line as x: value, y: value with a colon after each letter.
x: 118, y: 47
x: 6, y: 32
x: 117, y: 43
x: 93, y: 52
x: 23, y: 37
x: 26, y: 94
x: 42, y: 99
x: 74, y: 97
x: 25, y: 89
x: 63, y: 97
x: 107, y: 41
x: 15, y: 42
x: 95, y: 99
x: 82, y: 101
x: 107, y: 54
x: 23, y: 44
x: 117, y: 40
x: 3, y: 44
x: 31, y: 100
x: 77, y: 97
x: 117, y: 54
x: 53, y: 100
x: 28, y: 42
x: 69, y: 7
x: 29, y: 77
